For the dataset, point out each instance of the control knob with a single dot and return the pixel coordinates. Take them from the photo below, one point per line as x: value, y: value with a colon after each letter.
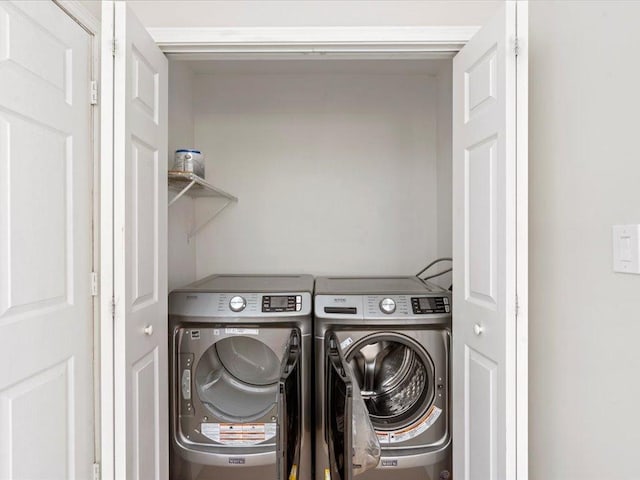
x: 237, y: 304
x: 387, y: 305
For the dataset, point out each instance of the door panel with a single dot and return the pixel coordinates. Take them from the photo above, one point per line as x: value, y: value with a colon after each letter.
x: 46, y: 178
x: 140, y: 233
x: 290, y: 412
x: 481, y: 430
x: 145, y: 416
x: 481, y: 248
x: 485, y: 228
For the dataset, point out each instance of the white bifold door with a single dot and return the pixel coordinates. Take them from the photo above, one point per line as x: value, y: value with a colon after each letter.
x: 489, y: 335
x: 46, y: 256
x: 135, y: 75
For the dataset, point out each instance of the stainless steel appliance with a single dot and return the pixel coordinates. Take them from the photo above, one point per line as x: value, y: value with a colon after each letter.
x: 391, y: 335
x: 240, y: 378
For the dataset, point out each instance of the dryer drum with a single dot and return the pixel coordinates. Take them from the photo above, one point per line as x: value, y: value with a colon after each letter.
x: 237, y: 378
x: 395, y: 381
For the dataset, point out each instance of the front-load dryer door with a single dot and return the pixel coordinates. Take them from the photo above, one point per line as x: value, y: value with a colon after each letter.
x: 338, y: 414
x: 289, y: 429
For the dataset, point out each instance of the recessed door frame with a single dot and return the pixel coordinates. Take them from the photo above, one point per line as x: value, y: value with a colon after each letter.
x: 257, y: 43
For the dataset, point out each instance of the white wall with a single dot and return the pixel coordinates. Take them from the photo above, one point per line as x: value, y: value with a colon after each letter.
x: 584, y: 177
x: 235, y: 13
x: 336, y: 172
x: 181, y: 250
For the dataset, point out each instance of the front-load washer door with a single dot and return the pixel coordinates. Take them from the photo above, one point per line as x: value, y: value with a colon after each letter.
x: 289, y: 429
x: 403, y: 380
x: 339, y: 409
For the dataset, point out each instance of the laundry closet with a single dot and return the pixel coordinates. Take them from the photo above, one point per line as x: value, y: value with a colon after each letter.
x: 325, y: 167
x: 363, y: 157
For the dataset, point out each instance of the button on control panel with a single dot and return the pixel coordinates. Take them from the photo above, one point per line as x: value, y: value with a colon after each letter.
x: 281, y: 303
x: 426, y: 305
x: 387, y: 305
x: 237, y: 303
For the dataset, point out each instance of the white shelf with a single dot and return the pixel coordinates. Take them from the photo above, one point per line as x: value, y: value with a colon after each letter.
x: 190, y: 184
x: 194, y: 186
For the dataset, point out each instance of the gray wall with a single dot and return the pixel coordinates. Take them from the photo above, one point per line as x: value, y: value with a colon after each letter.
x: 181, y: 254
x: 335, y: 164
x: 584, y: 177
x: 260, y: 13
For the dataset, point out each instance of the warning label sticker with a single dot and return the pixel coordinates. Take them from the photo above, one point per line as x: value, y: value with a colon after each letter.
x: 412, y: 431
x: 238, y: 433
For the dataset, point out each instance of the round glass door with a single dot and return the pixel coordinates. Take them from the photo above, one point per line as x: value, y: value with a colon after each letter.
x: 237, y: 378
x: 396, y: 379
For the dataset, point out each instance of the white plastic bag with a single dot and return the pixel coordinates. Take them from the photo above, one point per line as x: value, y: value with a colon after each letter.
x: 366, y: 447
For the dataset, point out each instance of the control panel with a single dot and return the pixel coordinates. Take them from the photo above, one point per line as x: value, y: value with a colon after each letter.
x: 425, y: 305
x: 239, y: 304
x: 281, y: 303
x: 380, y: 307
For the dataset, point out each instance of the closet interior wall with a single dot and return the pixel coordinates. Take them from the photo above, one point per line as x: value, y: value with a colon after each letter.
x: 341, y: 167
x: 181, y: 249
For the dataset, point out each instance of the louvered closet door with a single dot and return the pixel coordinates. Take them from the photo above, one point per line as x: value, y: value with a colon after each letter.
x: 46, y: 180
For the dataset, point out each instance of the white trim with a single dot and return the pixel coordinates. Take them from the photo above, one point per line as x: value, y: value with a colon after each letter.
x: 522, y: 241
x: 97, y: 188
x: 312, y: 40
x: 107, y: 446
x: 80, y: 14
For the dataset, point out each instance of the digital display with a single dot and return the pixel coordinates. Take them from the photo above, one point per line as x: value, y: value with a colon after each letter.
x: 278, y: 302
x: 427, y: 303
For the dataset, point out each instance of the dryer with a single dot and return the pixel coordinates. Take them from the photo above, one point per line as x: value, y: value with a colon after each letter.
x: 240, y: 377
x: 391, y: 335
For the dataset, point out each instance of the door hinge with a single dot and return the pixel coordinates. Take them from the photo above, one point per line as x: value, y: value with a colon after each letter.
x: 517, y: 307
x: 96, y: 471
x: 114, y: 47
x: 113, y: 307
x: 94, y: 284
x: 516, y: 46
x: 94, y: 92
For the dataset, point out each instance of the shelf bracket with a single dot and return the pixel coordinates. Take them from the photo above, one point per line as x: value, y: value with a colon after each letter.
x: 182, y: 192
x: 197, y: 229
x: 188, y: 183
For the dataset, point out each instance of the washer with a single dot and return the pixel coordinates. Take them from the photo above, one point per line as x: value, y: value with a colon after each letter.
x: 240, y: 377
x: 391, y: 336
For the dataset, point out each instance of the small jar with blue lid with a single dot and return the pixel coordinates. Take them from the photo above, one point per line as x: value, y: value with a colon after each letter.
x: 190, y: 161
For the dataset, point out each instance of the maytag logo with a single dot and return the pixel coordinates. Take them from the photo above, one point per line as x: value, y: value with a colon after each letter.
x: 237, y: 461
x: 389, y: 463
x: 340, y: 300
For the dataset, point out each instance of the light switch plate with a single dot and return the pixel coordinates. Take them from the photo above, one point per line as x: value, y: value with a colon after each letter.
x: 626, y: 248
